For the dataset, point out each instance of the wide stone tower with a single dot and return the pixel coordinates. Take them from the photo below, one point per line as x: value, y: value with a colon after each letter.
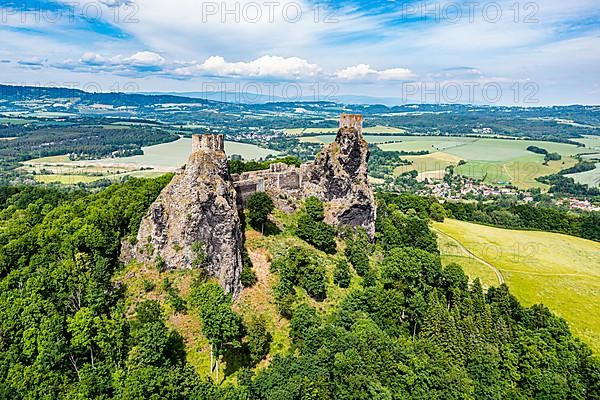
x: 339, y: 177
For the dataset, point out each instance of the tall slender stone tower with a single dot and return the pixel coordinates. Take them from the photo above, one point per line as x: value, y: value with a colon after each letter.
x: 194, y: 222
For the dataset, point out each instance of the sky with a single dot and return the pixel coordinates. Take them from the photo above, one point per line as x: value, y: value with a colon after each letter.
x: 484, y: 52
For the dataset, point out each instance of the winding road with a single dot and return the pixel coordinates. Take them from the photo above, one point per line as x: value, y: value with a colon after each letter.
x: 470, y: 253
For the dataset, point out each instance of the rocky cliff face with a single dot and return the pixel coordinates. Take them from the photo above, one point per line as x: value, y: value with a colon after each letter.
x: 194, y: 223
x: 339, y: 177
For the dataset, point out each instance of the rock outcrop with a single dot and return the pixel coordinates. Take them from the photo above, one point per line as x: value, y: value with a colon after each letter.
x: 339, y: 177
x: 194, y: 222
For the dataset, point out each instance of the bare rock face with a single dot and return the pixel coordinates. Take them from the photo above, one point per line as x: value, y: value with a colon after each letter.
x: 194, y: 222
x: 338, y: 176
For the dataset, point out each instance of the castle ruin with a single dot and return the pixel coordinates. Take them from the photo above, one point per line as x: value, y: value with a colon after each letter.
x: 338, y: 177
x: 208, y: 143
x: 195, y: 221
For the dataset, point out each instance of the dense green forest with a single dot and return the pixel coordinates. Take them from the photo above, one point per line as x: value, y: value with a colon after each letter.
x: 502, y: 213
x: 411, y: 329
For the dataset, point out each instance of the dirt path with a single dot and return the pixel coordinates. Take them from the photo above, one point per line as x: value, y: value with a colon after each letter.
x: 505, y: 168
x: 467, y: 251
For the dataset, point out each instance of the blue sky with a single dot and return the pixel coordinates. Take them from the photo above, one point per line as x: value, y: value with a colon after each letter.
x: 501, y: 52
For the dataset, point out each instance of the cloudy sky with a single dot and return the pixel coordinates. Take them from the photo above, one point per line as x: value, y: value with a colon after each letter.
x: 501, y: 52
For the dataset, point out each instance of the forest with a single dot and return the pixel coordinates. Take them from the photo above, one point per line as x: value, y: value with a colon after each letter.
x: 410, y: 329
x: 82, y: 142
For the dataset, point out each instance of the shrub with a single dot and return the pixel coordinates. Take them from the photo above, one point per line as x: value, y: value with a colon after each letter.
x: 200, y: 255
x: 341, y: 274
x: 159, y: 263
x: 312, y: 229
x: 259, y: 207
x: 148, y: 285
x: 300, y: 267
x: 248, y: 277
x: 358, y: 249
x: 305, y: 317
x: 258, y: 338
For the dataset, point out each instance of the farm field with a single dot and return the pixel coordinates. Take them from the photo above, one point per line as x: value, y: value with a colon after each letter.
x: 430, y: 166
x: 175, y: 154
x: 496, y: 161
x: 156, y: 160
x: 591, y: 142
x: 74, y: 179
x: 368, y: 130
x: 15, y: 121
x: 560, y: 271
x: 590, y: 178
x: 67, y: 179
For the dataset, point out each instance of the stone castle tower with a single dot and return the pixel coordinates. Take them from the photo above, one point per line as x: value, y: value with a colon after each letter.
x: 196, y: 215
x: 208, y: 143
x: 352, y: 121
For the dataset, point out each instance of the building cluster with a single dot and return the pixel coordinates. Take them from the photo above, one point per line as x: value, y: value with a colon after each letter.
x: 468, y: 188
x: 576, y: 204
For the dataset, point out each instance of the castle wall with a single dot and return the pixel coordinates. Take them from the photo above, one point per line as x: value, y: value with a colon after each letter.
x: 278, y: 179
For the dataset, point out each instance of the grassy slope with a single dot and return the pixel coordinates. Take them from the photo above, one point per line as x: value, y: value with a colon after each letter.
x: 559, y: 271
x: 452, y: 253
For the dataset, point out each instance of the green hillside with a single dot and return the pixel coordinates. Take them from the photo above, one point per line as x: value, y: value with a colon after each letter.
x: 560, y: 271
x: 322, y: 316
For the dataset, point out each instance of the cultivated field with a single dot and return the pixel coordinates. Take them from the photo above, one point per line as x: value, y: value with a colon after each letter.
x: 496, y: 161
x: 590, y: 178
x: 379, y: 129
x: 156, y: 161
x: 175, y: 154
x: 560, y: 271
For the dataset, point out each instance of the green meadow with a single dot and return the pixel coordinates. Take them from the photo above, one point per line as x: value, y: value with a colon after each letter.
x: 560, y: 271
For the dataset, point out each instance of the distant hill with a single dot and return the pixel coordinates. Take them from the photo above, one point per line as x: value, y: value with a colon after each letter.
x: 206, y: 109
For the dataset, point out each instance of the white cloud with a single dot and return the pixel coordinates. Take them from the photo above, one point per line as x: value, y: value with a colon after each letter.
x: 32, y: 62
x: 147, y: 63
x: 266, y: 66
x: 145, y: 59
x: 90, y: 58
x: 364, y: 71
x: 395, y: 74
x: 356, y: 72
